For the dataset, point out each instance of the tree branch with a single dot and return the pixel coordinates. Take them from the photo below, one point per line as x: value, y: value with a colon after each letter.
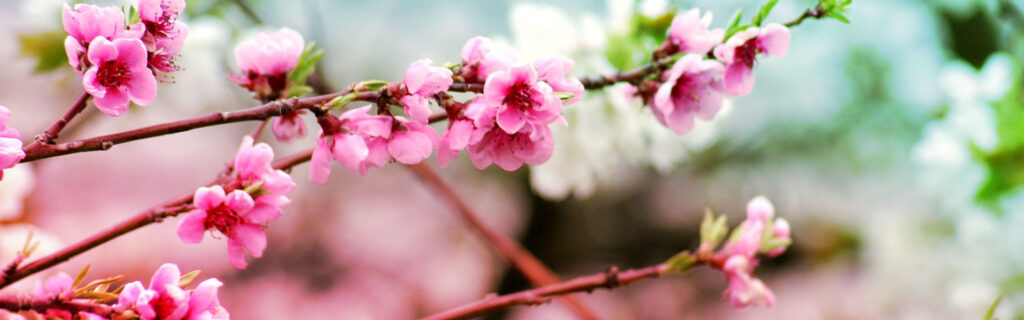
x: 54, y: 130
x: 521, y: 259
x: 170, y: 208
x: 609, y: 280
x: 18, y: 303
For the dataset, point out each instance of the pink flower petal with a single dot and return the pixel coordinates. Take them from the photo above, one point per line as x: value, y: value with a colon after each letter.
x: 252, y: 238
x: 207, y: 198
x: 192, y: 228
x: 320, y: 163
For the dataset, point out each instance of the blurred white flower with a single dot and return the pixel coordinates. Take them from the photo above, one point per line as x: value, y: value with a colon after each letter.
x: 16, y: 185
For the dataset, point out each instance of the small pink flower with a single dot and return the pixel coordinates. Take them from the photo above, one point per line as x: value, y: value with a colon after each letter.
x: 253, y: 167
x: 55, y: 287
x: 455, y: 139
x: 270, y: 54
x: 165, y: 35
x: 118, y: 74
x: 412, y: 142
x: 289, y: 127
x: 422, y: 82
x: 481, y: 58
x: 86, y: 22
x: 521, y: 99
x: 252, y: 161
x: 490, y: 144
x: 265, y: 61
x: 689, y: 33
x: 553, y: 71
x: 348, y: 140
x: 692, y: 88
x: 10, y: 143
x: 204, y: 304
x: 744, y: 289
x: 232, y: 216
x: 163, y: 300
x: 739, y: 54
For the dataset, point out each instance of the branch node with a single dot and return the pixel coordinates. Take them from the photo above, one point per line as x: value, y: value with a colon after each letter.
x: 105, y: 145
x: 611, y: 277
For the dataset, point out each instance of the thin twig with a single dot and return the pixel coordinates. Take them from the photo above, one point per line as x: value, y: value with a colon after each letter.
x: 40, y: 305
x: 521, y: 259
x: 54, y: 130
x: 247, y: 10
x: 609, y: 280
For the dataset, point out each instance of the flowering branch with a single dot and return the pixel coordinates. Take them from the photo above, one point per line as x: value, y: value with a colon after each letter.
x: 19, y: 303
x: 523, y: 260
x: 170, y: 208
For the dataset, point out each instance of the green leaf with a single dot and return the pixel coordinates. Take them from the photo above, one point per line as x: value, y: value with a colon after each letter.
x: 298, y: 90
x: 306, y: 64
x: 837, y: 16
x: 47, y: 47
x: 371, y: 85
x: 133, y: 16
x: 340, y: 101
x: 187, y: 278
x: 564, y: 96
x: 734, y: 24
x: 98, y: 296
x: 992, y: 308
x: 681, y: 262
x: 763, y: 13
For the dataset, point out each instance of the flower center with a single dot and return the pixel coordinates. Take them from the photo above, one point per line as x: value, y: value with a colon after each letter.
x: 747, y: 52
x: 519, y: 96
x: 112, y: 74
x: 686, y: 88
x: 221, y: 218
x: 164, y: 306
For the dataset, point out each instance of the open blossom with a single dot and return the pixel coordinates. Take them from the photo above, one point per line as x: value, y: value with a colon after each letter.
x: 163, y: 300
x: 204, y: 304
x: 10, y: 143
x: 692, y: 88
x: 689, y: 33
x: 232, y: 216
x: 164, y: 35
x: 55, y: 287
x: 265, y: 61
x: 553, y: 70
x: 421, y: 82
x: 87, y: 22
x: 118, y: 75
x: 744, y: 289
x: 253, y: 167
x: 481, y: 58
x: 490, y: 144
x: 520, y: 99
x: 289, y: 127
x: 739, y: 54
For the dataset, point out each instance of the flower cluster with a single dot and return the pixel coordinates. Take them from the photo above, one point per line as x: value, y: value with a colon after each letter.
x: 118, y: 63
x: 760, y: 234
x: 265, y: 60
x: 695, y: 86
x: 508, y: 125
x: 240, y: 210
x: 10, y: 143
x: 164, y: 299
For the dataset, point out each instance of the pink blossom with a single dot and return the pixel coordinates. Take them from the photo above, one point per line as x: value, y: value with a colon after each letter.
x: 164, y: 35
x: 232, y: 216
x: 253, y: 167
x: 289, y: 127
x: 412, y: 141
x: 163, y: 299
x: 689, y: 33
x: 553, y: 71
x: 204, y: 304
x: 456, y: 138
x: 421, y: 82
x: 692, y: 88
x: 118, y: 74
x: 270, y: 54
x: 744, y: 289
x: 55, y: 287
x: 87, y: 22
x: 739, y: 54
x: 481, y: 58
x: 10, y: 143
x: 348, y: 140
x: 489, y: 144
x: 520, y: 99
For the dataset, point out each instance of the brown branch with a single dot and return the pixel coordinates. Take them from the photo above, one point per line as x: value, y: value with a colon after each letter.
x: 277, y: 108
x: 22, y: 303
x: 609, y: 280
x: 170, y: 208
x: 54, y: 130
x: 521, y: 259
x: 816, y: 13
